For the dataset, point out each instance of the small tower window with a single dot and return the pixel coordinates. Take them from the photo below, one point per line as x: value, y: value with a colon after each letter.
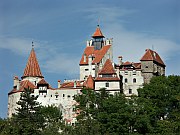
x: 125, y: 80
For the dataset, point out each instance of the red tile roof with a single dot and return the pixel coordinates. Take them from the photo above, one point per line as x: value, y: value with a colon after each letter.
x: 32, y: 68
x: 42, y: 82
x: 107, y: 68
x: 97, y: 54
x: 89, y: 83
x: 127, y: 63
x: 23, y: 84
x: 71, y: 84
x: 151, y: 55
x: 107, y: 79
x: 97, y: 33
x: 137, y: 65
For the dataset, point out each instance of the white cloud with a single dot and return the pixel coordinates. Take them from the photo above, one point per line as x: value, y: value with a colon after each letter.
x: 51, y: 57
x: 131, y: 44
x: 19, y: 46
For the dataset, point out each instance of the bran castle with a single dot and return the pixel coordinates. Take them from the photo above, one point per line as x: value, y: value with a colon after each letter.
x: 97, y: 70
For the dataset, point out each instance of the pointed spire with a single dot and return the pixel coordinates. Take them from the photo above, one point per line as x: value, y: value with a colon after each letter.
x: 32, y: 67
x: 98, y: 33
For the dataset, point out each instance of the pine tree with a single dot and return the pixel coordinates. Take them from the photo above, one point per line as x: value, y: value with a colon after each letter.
x: 28, y: 118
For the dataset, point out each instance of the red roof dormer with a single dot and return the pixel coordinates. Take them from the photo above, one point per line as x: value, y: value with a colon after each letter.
x: 107, y: 68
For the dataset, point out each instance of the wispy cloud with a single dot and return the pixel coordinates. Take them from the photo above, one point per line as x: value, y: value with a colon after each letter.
x: 52, y: 58
x: 130, y: 44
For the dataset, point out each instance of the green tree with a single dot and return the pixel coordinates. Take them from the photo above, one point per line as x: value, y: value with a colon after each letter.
x: 28, y: 118
x: 53, y: 120
x: 161, y: 96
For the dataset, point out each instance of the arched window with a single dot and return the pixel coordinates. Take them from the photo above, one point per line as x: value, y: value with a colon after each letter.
x: 134, y: 80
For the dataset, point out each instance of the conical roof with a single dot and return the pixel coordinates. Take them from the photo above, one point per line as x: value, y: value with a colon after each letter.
x: 32, y: 68
x: 97, y: 33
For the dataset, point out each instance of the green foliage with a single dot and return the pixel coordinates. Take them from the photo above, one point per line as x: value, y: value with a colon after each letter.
x: 32, y: 118
x: 154, y: 112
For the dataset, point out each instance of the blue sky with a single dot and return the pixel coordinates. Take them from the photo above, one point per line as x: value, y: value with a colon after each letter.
x: 60, y: 28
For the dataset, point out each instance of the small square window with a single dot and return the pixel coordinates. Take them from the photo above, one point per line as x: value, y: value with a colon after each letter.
x: 107, y: 84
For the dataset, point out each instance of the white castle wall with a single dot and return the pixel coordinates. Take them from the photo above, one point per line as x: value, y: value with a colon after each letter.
x: 12, y: 100
x: 130, y: 75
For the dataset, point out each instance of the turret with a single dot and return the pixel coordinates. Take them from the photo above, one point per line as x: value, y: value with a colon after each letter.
x: 98, y: 41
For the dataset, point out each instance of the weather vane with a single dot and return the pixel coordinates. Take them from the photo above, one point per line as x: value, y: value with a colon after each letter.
x: 32, y: 44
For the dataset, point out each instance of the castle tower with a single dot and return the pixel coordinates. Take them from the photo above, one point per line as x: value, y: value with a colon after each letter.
x: 32, y: 70
x: 151, y: 65
x: 97, y: 42
x: 95, y: 55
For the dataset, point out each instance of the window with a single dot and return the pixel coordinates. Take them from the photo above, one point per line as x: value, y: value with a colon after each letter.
x: 134, y: 80
x: 68, y: 96
x: 63, y: 95
x: 146, y: 66
x: 125, y: 80
x: 106, y: 75
x: 86, y: 69
x: 107, y: 84
x: 56, y: 96
x: 51, y: 95
x: 126, y: 72
x: 130, y: 91
x: 134, y: 72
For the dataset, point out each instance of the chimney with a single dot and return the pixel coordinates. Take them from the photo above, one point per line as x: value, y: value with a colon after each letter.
x: 75, y: 84
x: 16, y: 80
x: 120, y: 60
x: 59, y: 83
x: 18, y: 85
x: 84, y: 57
